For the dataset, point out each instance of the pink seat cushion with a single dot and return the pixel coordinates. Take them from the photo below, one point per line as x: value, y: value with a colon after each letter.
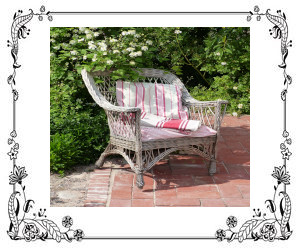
x: 152, y: 133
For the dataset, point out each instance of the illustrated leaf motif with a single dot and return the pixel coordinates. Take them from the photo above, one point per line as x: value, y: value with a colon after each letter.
x: 246, y: 229
x: 27, y: 206
x: 283, y: 95
x: 271, y: 205
x: 286, y: 214
x: 12, y: 213
x: 255, y: 236
x: 284, y: 16
x: 232, y: 237
x: 66, y: 237
x: 52, y: 229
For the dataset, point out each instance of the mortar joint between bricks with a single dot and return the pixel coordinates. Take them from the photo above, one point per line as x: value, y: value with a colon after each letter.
x: 110, y: 185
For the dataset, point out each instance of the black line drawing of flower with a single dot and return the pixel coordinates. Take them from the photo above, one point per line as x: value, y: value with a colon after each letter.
x: 30, y: 232
x: 285, y: 134
x: 286, y: 154
x: 12, y: 154
x: 67, y: 221
x: 282, y: 146
x: 10, y: 141
x: 281, y: 175
x: 13, y: 134
x: 220, y: 234
x: 17, y: 176
x: 268, y: 232
x: 256, y: 8
x: 289, y: 141
x: 78, y: 234
x: 231, y: 221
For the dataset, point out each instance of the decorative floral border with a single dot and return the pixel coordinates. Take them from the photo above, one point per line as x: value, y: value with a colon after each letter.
x: 276, y: 225
x: 24, y: 225
x: 31, y: 227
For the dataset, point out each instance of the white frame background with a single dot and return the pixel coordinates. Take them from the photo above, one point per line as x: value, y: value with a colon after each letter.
x: 27, y: 112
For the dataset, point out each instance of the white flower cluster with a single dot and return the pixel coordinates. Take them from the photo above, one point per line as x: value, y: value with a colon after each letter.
x: 96, y: 34
x: 235, y: 87
x: 129, y: 32
x: 72, y: 42
x: 113, y: 40
x: 135, y: 54
x: 109, y: 62
x: 102, y: 46
x: 116, y: 51
x: 177, y: 31
x: 240, y: 106
x: 94, y: 59
x: 144, y: 48
x: 234, y: 114
x: 130, y: 49
x: 132, y: 63
x: 73, y: 52
x: 89, y: 36
x: 92, y: 45
x: 217, y: 53
x: 223, y: 63
x: 149, y: 42
x: 80, y: 40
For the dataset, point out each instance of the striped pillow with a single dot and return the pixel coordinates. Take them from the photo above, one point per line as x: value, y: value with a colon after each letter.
x: 158, y: 99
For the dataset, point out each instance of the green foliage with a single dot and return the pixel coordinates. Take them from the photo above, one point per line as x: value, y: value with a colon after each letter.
x: 214, y: 63
x: 226, y: 59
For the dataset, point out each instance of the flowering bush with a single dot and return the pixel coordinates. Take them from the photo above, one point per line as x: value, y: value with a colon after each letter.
x: 226, y: 62
x: 214, y: 63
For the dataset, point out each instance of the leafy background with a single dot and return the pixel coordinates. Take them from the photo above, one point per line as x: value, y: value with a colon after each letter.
x: 213, y: 63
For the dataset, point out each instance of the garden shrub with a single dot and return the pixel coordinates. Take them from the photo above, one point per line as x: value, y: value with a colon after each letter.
x: 214, y: 63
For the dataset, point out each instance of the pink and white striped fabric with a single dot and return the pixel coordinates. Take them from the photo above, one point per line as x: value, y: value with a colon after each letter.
x: 158, y: 99
x: 150, y: 120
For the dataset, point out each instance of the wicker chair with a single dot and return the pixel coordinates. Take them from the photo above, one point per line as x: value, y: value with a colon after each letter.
x: 126, y: 139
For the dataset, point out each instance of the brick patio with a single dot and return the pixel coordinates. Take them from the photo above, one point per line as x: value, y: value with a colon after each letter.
x: 183, y: 180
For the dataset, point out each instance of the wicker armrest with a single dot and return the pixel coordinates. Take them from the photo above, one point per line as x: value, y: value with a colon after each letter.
x: 109, y: 107
x: 124, y: 122
x: 190, y: 101
x: 210, y: 113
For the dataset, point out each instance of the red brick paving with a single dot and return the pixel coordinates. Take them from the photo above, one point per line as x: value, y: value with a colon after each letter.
x: 183, y: 180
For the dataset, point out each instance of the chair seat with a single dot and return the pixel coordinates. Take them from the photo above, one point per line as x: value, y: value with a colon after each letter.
x: 152, y: 133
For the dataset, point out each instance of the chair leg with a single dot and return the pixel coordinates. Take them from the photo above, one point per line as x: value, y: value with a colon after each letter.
x: 212, y: 163
x: 139, y: 170
x: 212, y: 167
x: 140, y: 180
x: 99, y: 163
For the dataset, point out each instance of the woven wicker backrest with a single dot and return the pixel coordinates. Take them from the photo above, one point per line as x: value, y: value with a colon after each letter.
x: 103, y: 90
